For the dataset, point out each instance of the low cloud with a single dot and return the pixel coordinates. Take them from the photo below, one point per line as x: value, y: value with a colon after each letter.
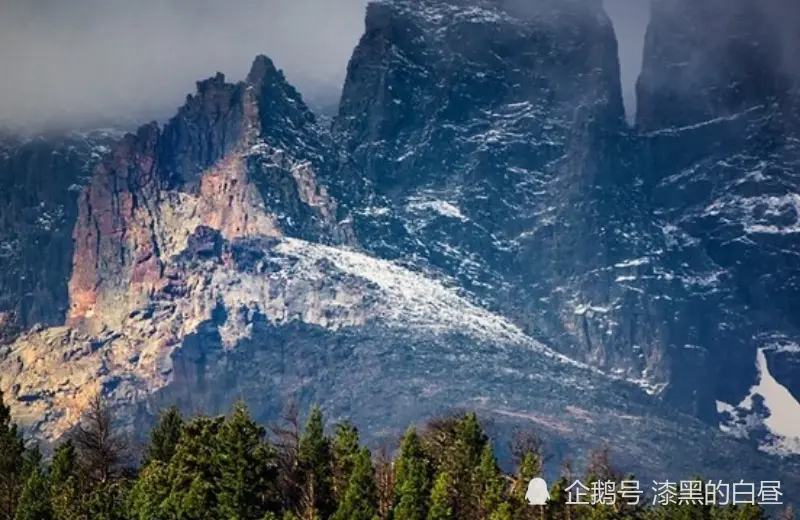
x: 630, y: 18
x: 94, y: 62
x: 68, y: 62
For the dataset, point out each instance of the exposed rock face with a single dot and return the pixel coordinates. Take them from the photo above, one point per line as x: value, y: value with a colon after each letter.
x: 40, y: 180
x: 494, y: 143
x: 716, y: 59
x: 225, y: 161
x: 479, y: 229
x: 719, y: 107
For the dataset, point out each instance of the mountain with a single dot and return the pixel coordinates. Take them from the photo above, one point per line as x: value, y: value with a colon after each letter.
x: 478, y: 228
x: 719, y: 114
x: 40, y: 179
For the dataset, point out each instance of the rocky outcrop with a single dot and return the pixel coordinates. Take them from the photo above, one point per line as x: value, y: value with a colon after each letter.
x: 716, y: 59
x: 721, y: 149
x: 226, y: 161
x: 271, y: 317
x: 40, y: 181
x: 494, y: 143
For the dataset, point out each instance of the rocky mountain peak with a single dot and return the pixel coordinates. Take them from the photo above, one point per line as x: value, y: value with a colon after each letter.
x: 282, y: 117
x: 422, y: 71
x: 243, y: 159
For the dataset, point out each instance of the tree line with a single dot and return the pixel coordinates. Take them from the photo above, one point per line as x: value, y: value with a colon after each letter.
x: 231, y: 468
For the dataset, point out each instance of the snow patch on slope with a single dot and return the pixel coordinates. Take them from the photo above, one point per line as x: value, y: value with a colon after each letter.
x: 406, y: 299
x: 412, y: 300
x: 781, y: 419
x: 443, y: 208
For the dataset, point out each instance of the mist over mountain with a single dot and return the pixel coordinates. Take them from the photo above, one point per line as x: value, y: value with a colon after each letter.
x: 89, y: 63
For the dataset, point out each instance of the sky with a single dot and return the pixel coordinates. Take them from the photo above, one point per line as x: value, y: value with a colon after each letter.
x: 97, y: 61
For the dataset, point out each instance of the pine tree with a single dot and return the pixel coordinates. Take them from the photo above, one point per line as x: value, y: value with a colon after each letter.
x: 442, y: 498
x: 64, y: 485
x: 360, y: 500
x: 683, y: 510
x: 557, y: 507
x: 503, y: 512
x: 461, y: 460
x: 12, y: 450
x: 750, y: 512
x: 439, y: 438
x: 31, y: 461
x: 412, y: 483
x: 164, y: 437
x: 193, y: 474
x: 488, y: 484
x: 149, y: 495
x: 247, y: 487
x: 471, y: 440
x: 107, y: 501
x: 34, y: 501
x: 314, y: 456
x: 63, y: 466
x: 529, y: 467
x: 345, y: 451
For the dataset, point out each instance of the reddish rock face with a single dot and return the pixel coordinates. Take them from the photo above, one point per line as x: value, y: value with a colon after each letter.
x: 215, y: 164
x: 114, y: 245
x: 40, y: 183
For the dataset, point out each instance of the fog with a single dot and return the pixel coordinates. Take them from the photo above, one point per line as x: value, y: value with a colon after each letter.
x: 96, y: 62
x: 91, y: 61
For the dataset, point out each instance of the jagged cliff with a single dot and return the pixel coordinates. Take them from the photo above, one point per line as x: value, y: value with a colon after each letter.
x: 718, y: 113
x: 40, y: 180
x: 230, y: 160
x: 479, y: 228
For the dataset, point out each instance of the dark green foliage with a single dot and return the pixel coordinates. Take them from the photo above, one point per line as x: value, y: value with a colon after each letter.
x: 360, y: 501
x: 443, y: 498
x: 164, y: 437
x: 488, y: 485
x: 12, y: 458
x: 502, y: 513
x: 530, y: 467
x: 64, y: 482
x: 557, y: 507
x: 345, y: 452
x: 411, y: 481
x: 470, y: 441
x: 314, y: 457
x: 224, y: 468
x: 34, y: 501
x: 247, y: 471
x: 107, y: 500
x: 192, y: 474
x: 64, y: 464
x: 148, y: 498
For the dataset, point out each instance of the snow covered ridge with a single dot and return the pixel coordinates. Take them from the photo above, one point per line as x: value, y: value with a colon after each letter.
x: 443, y: 12
x: 410, y: 300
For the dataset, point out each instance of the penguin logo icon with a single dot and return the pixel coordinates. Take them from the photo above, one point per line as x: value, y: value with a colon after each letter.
x: 537, y: 494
